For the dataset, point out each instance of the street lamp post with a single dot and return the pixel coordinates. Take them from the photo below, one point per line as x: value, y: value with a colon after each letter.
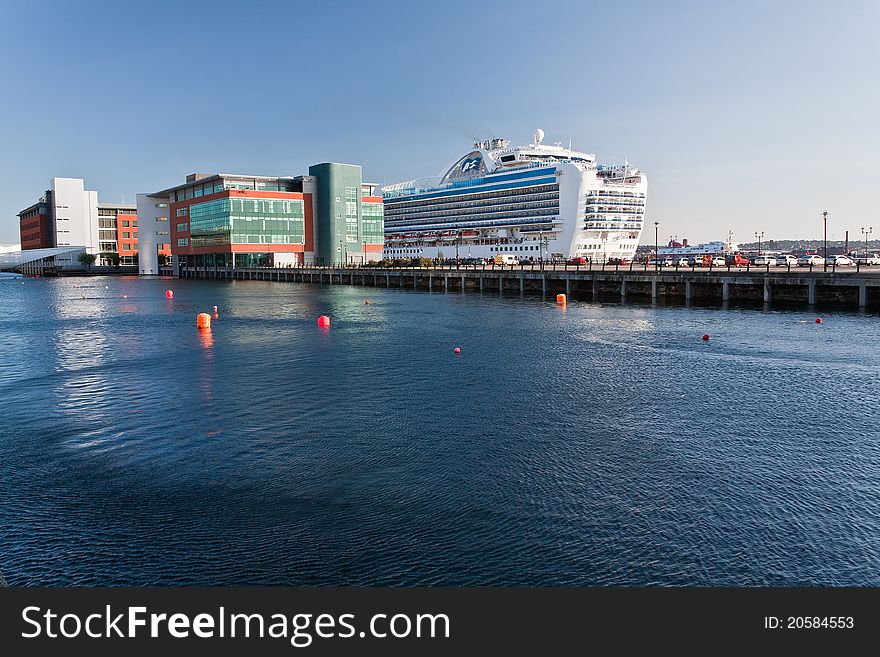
x: 867, y: 233
x: 760, y: 237
x: 365, y: 253
x: 541, y: 248
x: 656, y: 245
x: 825, y: 241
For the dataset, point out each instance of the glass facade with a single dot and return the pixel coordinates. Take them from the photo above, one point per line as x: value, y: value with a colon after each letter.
x: 247, y: 221
x: 372, y: 223
x: 199, y: 189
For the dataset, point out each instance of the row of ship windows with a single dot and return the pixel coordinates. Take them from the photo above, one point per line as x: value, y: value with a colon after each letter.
x: 595, y: 202
x: 494, y: 220
x: 547, y: 207
x: 477, y: 224
x: 506, y: 193
x: 485, y: 210
x: 468, y: 203
x: 588, y: 247
x: 616, y: 226
x: 602, y: 192
x: 615, y: 211
x: 475, y: 216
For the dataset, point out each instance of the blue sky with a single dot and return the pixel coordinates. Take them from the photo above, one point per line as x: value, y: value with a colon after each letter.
x: 746, y: 116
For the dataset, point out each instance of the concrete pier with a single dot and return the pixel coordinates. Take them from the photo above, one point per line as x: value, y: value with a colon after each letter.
x: 842, y: 287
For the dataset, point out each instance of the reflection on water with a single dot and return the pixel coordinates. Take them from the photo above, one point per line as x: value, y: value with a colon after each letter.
x: 206, y: 339
x: 583, y: 444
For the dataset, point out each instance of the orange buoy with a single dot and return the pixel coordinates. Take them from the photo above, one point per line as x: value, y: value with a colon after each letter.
x: 705, y: 336
x: 366, y: 302
x: 818, y: 320
x: 560, y: 298
x: 203, y: 321
x: 458, y: 350
x: 169, y: 294
x: 324, y: 321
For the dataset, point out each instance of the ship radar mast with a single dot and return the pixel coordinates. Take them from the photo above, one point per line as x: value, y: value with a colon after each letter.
x: 539, y: 136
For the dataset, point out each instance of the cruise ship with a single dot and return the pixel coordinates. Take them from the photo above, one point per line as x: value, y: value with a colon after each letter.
x: 536, y: 202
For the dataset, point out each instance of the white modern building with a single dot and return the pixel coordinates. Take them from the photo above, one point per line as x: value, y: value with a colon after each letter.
x: 153, y: 233
x: 68, y: 215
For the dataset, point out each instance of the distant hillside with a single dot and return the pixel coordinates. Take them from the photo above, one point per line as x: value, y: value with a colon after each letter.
x: 834, y: 246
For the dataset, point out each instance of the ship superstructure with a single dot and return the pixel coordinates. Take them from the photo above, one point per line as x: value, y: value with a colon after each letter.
x: 537, y: 202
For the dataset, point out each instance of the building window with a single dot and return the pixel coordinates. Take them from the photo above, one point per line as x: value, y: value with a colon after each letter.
x: 182, y: 241
x: 161, y: 205
x: 125, y: 224
x: 126, y: 236
x: 183, y: 227
x: 161, y: 218
x: 182, y: 212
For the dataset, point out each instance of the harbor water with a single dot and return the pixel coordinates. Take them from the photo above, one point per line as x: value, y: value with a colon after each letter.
x: 593, y: 444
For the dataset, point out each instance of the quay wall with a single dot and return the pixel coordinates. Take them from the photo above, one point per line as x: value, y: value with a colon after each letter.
x: 849, y: 288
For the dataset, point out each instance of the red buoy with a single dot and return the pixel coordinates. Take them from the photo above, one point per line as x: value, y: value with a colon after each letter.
x: 458, y: 350
x: 324, y: 321
x: 818, y: 320
x: 705, y: 336
x: 169, y: 294
x: 366, y: 302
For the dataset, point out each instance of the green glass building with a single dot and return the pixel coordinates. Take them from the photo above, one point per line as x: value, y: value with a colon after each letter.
x: 351, y: 226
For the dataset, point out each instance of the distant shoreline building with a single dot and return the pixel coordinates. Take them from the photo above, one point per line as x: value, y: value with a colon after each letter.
x: 329, y: 216
x: 67, y: 214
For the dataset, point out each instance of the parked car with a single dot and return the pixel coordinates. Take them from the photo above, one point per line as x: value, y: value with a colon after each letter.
x: 577, y: 260
x: 682, y: 262
x: 869, y: 260
x: 718, y: 261
x: 663, y: 262
x: 840, y: 261
x: 763, y: 261
x: 738, y: 260
x: 618, y: 261
x: 695, y: 262
x: 790, y: 261
x: 807, y: 260
x: 472, y: 261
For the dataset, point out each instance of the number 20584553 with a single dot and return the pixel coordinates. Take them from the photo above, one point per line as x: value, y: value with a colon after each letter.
x: 808, y: 622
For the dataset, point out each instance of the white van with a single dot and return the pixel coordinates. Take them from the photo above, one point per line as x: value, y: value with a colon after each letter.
x: 506, y: 259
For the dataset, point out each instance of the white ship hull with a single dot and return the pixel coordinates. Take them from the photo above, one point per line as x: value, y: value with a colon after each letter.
x: 535, y: 202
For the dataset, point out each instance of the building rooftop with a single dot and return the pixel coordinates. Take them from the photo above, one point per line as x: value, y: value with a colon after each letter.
x: 118, y: 206
x: 200, y: 178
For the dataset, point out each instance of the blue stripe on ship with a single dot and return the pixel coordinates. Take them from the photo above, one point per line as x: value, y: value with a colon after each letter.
x: 460, y: 191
